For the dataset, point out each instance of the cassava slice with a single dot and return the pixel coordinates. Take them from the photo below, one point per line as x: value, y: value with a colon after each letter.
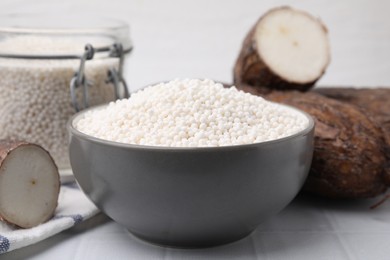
x: 349, y: 157
x: 29, y: 184
x: 286, y: 49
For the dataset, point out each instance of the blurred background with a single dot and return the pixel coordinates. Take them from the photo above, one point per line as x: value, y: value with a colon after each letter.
x: 177, y: 39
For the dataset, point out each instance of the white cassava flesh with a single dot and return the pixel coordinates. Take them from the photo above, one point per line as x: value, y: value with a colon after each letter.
x: 29, y: 184
x: 293, y: 44
x: 286, y: 49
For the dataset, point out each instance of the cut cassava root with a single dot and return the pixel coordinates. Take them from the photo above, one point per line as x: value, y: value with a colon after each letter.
x: 29, y: 184
x: 352, y: 135
x: 286, y: 49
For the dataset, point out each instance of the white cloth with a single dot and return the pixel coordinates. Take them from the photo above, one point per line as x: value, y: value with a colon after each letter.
x: 73, y: 207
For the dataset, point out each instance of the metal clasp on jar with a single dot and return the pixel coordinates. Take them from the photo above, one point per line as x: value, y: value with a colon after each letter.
x: 115, y: 76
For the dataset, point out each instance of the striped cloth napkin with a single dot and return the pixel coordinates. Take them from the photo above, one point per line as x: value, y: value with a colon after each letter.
x: 73, y: 207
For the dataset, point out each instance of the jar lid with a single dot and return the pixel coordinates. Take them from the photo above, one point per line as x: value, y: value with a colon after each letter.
x: 51, y: 36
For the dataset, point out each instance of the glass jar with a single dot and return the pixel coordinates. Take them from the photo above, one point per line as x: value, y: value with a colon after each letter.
x: 50, y: 68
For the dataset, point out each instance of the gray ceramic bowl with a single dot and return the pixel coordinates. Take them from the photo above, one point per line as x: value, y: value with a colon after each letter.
x: 190, y: 197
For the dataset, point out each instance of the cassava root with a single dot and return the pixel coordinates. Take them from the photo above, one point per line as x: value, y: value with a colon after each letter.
x: 29, y: 184
x: 285, y: 49
x: 352, y: 135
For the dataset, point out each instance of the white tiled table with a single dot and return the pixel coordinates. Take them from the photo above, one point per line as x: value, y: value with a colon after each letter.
x: 309, y: 228
x: 175, y: 38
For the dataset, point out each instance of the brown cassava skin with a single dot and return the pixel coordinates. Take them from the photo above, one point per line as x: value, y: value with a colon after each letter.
x: 6, y: 147
x: 349, y: 159
x: 250, y: 68
x: 374, y: 101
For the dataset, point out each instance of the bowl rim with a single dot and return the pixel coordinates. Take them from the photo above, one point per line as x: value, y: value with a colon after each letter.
x: 74, y: 131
